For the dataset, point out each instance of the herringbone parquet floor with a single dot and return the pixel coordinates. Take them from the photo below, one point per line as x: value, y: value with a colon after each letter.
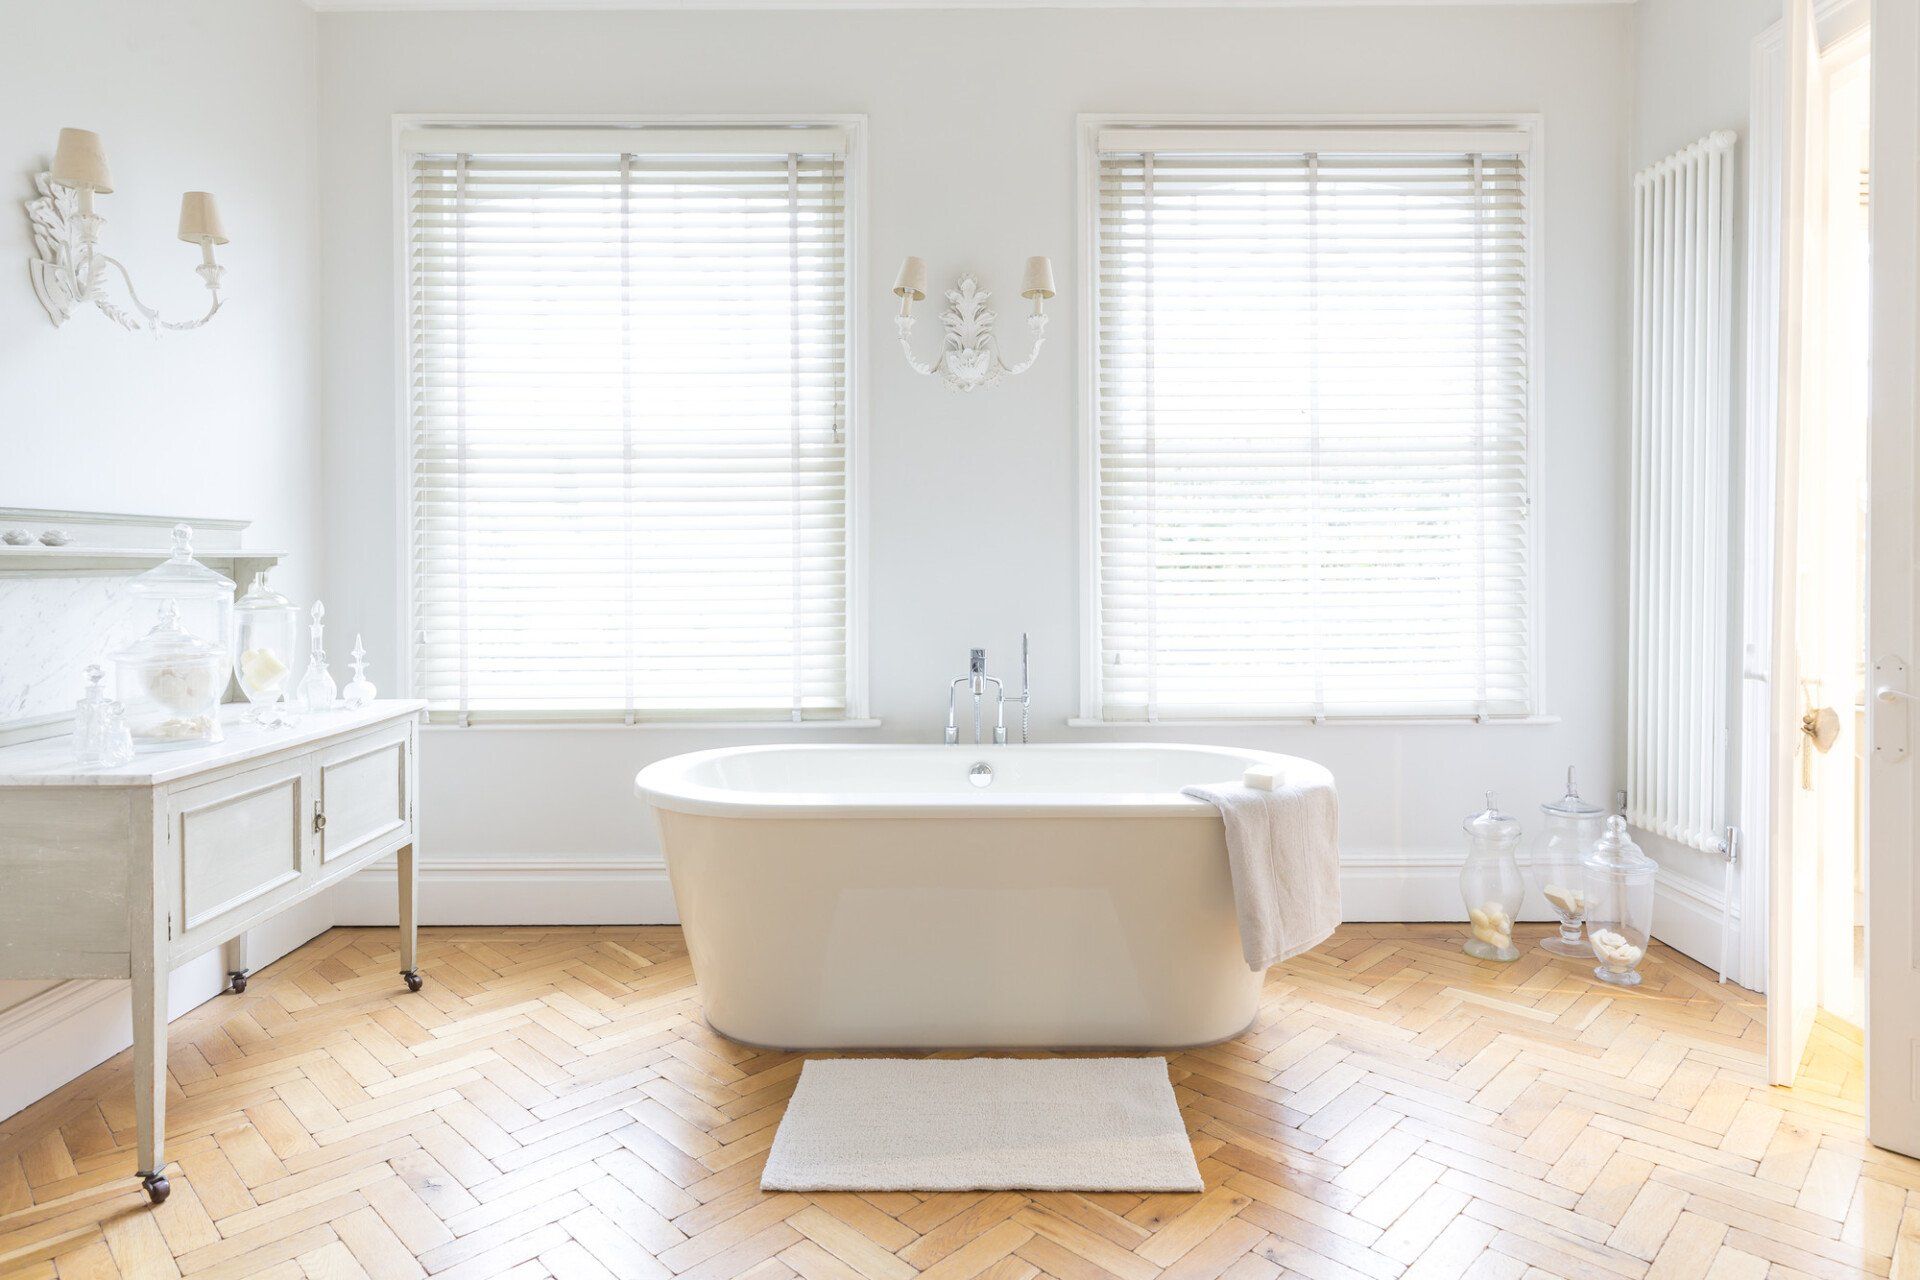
x: 552, y: 1104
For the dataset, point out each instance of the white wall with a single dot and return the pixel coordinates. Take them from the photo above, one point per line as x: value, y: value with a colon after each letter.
x: 215, y: 95
x: 972, y: 500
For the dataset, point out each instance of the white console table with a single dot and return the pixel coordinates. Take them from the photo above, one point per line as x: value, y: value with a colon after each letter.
x: 131, y: 871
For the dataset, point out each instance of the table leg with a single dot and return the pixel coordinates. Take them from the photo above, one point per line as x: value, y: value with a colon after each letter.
x: 150, y: 929
x: 409, y: 880
x: 150, y: 1074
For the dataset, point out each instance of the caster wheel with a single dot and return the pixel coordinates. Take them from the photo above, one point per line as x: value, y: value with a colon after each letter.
x: 237, y: 983
x: 156, y: 1187
x: 414, y: 980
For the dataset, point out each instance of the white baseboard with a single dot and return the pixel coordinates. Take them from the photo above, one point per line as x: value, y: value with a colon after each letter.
x: 1687, y: 916
x: 65, y: 1031
x: 558, y: 890
x: 1376, y: 885
x: 54, y: 1036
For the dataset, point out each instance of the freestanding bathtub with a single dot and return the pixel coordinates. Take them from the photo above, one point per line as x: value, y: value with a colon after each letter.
x: 948, y: 897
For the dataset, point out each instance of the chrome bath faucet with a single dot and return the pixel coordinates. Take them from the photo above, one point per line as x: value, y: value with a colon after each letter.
x: 976, y: 680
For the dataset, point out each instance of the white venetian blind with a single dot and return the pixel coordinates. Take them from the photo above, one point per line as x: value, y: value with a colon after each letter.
x: 1312, y: 436
x: 628, y: 393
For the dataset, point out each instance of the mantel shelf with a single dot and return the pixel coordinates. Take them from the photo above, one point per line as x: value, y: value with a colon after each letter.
x: 36, y: 557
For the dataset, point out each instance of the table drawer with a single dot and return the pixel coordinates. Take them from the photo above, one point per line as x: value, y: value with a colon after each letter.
x: 365, y: 793
x: 237, y: 840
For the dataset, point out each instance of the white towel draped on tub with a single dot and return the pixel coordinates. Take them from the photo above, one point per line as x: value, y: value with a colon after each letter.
x: 1283, y: 846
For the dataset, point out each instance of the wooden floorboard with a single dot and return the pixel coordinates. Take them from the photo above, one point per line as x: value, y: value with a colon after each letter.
x: 553, y: 1104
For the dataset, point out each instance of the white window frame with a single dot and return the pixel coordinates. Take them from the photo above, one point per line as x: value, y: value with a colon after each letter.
x: 858, y: 714
x: 1087, y: 458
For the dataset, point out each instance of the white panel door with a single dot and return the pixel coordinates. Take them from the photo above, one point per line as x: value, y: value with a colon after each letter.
x: 1893, y: 890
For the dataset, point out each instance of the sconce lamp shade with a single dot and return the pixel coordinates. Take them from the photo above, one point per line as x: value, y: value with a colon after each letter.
x: 80, y: 162
x: 200, y: 219
x: 1038, y: 280
x: 913, y: 280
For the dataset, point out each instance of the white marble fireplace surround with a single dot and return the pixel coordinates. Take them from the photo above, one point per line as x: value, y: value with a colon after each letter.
x: 61, y: 608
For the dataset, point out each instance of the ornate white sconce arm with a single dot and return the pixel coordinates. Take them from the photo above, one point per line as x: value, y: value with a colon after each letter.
x: 67, y: 268
x: 969, y: 353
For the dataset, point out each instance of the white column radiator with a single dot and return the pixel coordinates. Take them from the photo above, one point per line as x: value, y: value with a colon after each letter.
x: 1677, y: 656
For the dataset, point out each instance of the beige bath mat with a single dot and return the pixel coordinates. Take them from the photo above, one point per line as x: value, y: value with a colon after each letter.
x: 982, y: 1124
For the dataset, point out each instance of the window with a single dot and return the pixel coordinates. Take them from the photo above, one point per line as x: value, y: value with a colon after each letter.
x: 629, y: 390
x: 1311, y: 397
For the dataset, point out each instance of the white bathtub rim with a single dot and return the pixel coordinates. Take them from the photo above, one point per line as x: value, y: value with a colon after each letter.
x: 667, y: 784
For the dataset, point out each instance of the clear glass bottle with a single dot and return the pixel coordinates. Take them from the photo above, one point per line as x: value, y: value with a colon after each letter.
x: 203, y: 598
x: 1619, y: 882
x: 1569, y: 828
x: 266, y: 628
x: 170, y: 681
x: 1490, y: 883
x: 100, y: 737
x: 360, y: 690
x: 318, y: 690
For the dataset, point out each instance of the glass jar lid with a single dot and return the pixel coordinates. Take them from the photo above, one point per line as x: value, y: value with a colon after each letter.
x: 1571, y: 805
x: 1616, y: 852
x: 1491, y: 825
x: 167, y: 641
x: 180, y: 576
x: 259, y: 596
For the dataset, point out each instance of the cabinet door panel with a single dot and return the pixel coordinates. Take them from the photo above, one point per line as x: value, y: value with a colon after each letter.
x: 238, y: 839
x: 365, y: 786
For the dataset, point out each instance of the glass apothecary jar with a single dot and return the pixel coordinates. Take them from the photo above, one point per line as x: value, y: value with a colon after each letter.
x: 266, y: 627
x: 203, y: 598
x: 1569, y: 829
x: 1490, y: 883
x: 1619, y: 882
x: 169, y: 683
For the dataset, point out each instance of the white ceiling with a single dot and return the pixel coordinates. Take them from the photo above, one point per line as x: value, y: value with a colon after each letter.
x: 338, y: 6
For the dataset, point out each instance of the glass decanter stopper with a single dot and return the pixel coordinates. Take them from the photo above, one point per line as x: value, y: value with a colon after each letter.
x: 100, y: 735
x: 359, y: 691
x: 317, y: 688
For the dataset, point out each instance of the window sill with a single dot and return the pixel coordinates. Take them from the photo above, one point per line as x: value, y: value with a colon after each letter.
x: 1084, y: 722
x: 603, y: 726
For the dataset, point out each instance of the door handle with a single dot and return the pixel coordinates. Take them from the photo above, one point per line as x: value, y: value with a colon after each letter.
x: 1887, y: 693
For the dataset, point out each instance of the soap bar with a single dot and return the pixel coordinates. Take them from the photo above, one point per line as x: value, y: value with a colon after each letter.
x: 1614, y: 949
x: 1491, y: 924
x: 1262, y: 777
x: 1570, y: 903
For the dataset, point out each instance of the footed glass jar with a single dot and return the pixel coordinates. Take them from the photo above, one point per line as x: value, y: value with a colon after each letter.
x: 170, y: 682
x: 1490, y: 883
x: 1619, y: 881
x: 1570, y: 827
x: 203, y: 598
x: 266, y: 627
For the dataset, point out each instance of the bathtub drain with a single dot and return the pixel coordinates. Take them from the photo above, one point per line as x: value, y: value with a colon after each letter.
x: 981, y: 775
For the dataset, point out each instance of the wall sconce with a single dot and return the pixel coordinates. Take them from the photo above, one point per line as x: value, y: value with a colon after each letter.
x: 68, y: 270
x: 969, y: 356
